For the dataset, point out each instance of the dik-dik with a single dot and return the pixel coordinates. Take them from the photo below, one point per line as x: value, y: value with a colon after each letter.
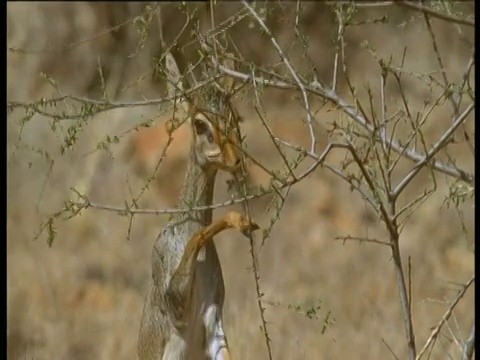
x: 182, y: 316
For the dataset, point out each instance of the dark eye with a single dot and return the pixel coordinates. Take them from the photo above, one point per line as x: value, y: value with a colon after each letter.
x: 200, y: 127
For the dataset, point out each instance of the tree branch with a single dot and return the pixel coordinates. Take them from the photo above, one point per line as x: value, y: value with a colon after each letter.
x: 439, y: 15
x: 445, y: 318
x: 469, y: 345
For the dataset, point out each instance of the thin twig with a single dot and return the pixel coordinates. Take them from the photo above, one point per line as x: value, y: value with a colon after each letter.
x: 255, y: 265
x: 318, y: 89
x: 294, y: 74
x: 439, y: 15
x: 445, y: 317
x: 102, y: 106
x: 127, y: 211
x: 431, y: 153
x: 469, y: 345
x: 374, y: 4
x: 63, y: 49
x: 387, y: 210
x: 389, y: 349
x: 339, y: 45
x: 446, y: 83
x: 362, y: 239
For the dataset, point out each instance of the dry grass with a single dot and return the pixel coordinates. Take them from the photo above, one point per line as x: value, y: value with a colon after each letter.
x: 82, y: 298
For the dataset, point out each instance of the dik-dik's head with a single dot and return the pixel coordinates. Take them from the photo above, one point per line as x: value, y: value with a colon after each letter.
x: 213, y: 119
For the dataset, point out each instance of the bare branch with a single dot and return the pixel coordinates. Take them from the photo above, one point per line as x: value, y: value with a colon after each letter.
x: 374, y: 4
x: 387, y: 211
x: 389, y: 349
x: 72, y: 45
x: 445, y: 317
x: 436, y: 148
x: 317, y: 89
x: 98, y: 106
x: 294, y: 74
x: 339, y: 46
x: 469, y: 345
x: 363, y: 239
x: 439, y: 15
x: 256, y: 275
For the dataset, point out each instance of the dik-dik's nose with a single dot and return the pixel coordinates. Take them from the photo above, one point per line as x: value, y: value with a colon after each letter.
x: 235, y: 161
x: 231, y: 155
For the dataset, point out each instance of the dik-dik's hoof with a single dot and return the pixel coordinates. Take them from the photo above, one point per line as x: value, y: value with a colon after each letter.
x: 240, y: 222
x: 252, y: 227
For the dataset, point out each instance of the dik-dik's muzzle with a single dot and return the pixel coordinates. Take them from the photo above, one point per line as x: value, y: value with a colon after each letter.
x: 231, y: 154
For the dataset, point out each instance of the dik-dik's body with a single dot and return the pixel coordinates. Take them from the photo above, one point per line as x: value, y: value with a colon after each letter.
x: 182, y: 317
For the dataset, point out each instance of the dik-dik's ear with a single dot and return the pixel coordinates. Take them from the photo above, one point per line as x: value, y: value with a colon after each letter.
x: 175, y: 84
x: 228, y: 82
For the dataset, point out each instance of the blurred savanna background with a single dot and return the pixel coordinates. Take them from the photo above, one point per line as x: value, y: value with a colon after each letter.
x: 76, y: 286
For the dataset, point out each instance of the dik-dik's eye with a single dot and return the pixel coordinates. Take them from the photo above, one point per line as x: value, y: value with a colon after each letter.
x: 202, y: 128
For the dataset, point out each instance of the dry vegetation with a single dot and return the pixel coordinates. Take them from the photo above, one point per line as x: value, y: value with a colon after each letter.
x: 81, y: 297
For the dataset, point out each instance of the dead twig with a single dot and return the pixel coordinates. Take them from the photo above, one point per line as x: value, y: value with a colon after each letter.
x: 439, y: 15
x: 445, y: 317
x: 469, y: 345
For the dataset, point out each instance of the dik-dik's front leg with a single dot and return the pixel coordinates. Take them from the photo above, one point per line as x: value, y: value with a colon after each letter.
x: 179, y: 288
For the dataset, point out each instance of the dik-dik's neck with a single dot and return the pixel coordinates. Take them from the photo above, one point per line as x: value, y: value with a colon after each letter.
x: 198, y: 191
